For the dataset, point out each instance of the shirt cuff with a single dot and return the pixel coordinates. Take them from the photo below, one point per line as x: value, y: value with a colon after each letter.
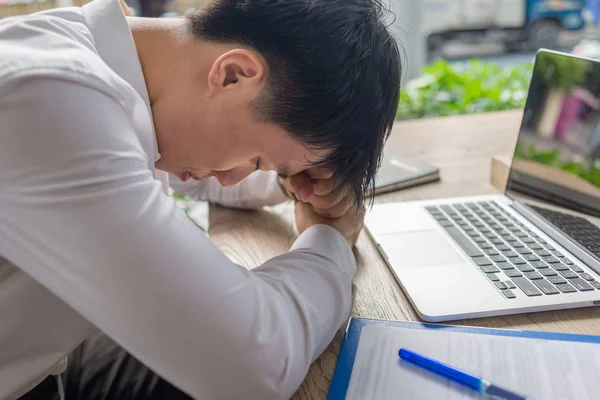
x: 328, y: 243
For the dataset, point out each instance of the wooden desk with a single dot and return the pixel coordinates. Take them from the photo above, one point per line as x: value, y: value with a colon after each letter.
x: 462, y: 147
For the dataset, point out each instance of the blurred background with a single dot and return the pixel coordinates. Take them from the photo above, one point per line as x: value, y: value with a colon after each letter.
x: 462, y: 56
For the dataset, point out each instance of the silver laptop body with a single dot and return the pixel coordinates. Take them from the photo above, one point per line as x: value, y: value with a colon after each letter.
x: 534, y: 248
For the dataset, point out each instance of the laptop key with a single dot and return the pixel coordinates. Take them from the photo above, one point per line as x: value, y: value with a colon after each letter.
x: 560, y: 267
x: 539, y: 264
x: 558, y: 254
x: 527, y: 287
x: 523, y: 250
x: 481, y: 261
x: 431, y: 208
x: 595, y: 284
x: 545, y: 286
x: 508, y: 294
x: 569, y: 274
x: 576, y: 268
x: 446, y: 224
x: 509, y: 284
x: 551, y: 260
x: 535, y: 246
x: 503, y: 247
x: 504, y: 266
x: 517, y: 245
x: 493, y: 277
x: 491, y: 252
x: 557, y: 280
x: 543, y: 253
x: 567, y: 261
x: 490, y: 235
x: 497, y: 241
x: 531, y: 257
x: 497, y: 259
x: 510, y: 254
x: 548, y: 272
x: 587, y: 276
x: 525, y: 268
x: 518, y: 261
x: 566, y: 288
x: 469, y: 248
x: 533, y: 275
x: 500, y: 285
x: 528, y: 240
x: 485, y: 246
x: 489, y: 269
x: 581, y: 285
x: 513, y: 273
x: 520, y: 234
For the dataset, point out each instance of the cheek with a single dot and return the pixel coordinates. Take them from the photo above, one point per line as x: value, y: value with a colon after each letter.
x: 177, y: 131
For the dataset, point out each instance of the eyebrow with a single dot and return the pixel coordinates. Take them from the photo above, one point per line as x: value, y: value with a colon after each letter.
x: 283, y: 171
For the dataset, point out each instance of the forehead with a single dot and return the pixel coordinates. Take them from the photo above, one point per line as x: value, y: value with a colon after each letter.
x: 291, y: 156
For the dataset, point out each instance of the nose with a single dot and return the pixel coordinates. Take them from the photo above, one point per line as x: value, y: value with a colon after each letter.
x: 233, y: 176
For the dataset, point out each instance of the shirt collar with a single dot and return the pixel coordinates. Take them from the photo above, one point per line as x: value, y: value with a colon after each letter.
x: 114, y: 42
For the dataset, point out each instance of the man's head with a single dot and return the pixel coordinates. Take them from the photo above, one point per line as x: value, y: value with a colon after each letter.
x: 280, y: 85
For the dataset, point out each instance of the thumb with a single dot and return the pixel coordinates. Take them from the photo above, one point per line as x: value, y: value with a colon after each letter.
x: 302, y: 186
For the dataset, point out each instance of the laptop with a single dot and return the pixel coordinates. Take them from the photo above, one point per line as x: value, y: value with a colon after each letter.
x: 534, y: 248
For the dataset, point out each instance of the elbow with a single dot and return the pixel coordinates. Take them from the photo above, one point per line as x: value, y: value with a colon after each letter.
x: 274, y: 376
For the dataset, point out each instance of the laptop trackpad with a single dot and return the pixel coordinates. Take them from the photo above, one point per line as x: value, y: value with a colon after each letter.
x: 419, y: 249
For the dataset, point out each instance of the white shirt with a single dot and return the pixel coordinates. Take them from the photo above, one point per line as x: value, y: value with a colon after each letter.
x: 89, y: 239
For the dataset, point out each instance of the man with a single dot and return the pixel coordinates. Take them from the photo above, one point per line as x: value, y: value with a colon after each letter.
x: 96, y: 108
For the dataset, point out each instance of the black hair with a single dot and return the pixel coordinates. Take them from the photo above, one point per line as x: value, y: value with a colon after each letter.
x: 334, y: 74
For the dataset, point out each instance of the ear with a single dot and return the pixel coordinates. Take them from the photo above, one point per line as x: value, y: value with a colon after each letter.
x: 237, y: 69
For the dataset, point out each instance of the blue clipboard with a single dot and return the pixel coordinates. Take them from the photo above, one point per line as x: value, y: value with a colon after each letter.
x: 343, y: 369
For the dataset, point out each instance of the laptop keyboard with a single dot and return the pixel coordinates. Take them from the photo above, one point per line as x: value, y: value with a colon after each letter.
x: 512, y: 256
x: 580, y: 229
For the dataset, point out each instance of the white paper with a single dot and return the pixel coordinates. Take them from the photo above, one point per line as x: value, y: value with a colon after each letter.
x: 540, y: 369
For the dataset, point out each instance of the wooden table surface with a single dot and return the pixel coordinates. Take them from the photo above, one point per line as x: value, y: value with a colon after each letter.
x: 462, y: 147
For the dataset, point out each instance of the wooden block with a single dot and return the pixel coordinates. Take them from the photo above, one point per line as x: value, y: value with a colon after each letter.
x: 500, y: 171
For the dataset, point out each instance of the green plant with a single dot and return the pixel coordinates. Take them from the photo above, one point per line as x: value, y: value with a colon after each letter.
x: 452, y: 89
x: 187, y: 205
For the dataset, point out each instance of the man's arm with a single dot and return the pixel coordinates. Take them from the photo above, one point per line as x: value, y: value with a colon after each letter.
x: 82, y: 215
x: 258, y: 189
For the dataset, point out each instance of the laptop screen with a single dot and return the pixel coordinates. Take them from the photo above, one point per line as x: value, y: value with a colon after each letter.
x: 557, y: 157
x: 556, y: 166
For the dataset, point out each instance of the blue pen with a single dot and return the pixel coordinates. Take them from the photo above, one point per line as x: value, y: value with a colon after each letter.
x: 475, y: 383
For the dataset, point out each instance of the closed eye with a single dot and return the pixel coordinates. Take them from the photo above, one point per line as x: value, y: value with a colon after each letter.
x: 257, y: 164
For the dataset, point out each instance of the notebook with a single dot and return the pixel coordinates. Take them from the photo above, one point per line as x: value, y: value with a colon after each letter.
x: 544, y: 366
x: 401, y: 172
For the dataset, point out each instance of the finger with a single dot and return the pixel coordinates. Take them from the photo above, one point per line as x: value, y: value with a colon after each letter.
x: 330, y: 200
x: 301, y: 185
x: 319, y: 173
x: 338, y: 210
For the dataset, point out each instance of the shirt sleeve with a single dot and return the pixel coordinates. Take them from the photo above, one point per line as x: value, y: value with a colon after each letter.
x: 258, y: 189
x: 81, y: 213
